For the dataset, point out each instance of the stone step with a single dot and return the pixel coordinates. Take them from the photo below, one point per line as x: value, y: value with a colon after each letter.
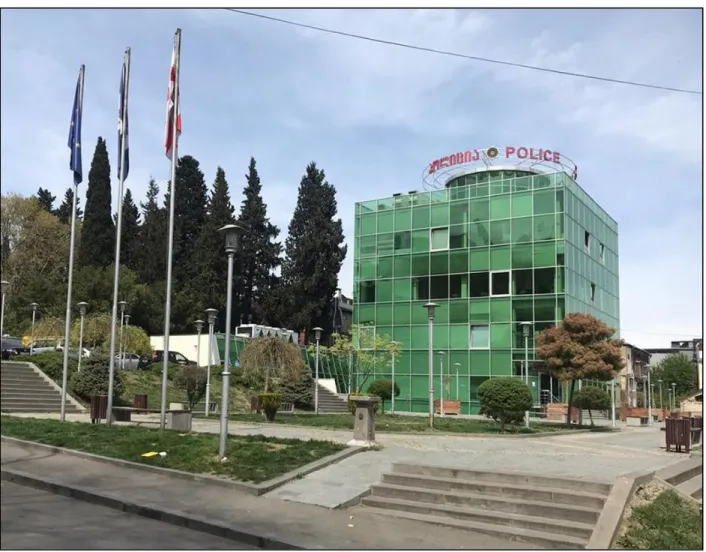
x: 570, y: 485
x: 692, y: 487
x: 29, y: 409
x: 44, y: 402
x: 23, y: 378
x: 580, y: 514
x: 681, y: 472
x: 26, y: 394
x: 510, y: 490
x: 517, y: 534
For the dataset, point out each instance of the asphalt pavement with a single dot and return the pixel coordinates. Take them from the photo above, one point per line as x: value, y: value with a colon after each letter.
x: 35, y: 519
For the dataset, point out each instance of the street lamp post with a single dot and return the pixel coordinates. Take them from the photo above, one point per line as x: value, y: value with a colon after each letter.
x: 211, y: 318
x: 526, y: 327
x: 199, y: 327
x: 649, y: 395
x: 3, y: 290
x: 674, y: 396
x: 82, y: 307
x: 661, y: 400
x: 441, y: 383
x: 612, y: 402
x: 431, y: 307
x: 122, y: 305
x: 127, y: 336
x: 34, y: 306
x: 232, y: 233
x: 392, y: 398
x: 317, y: 336
x: 457, y: 365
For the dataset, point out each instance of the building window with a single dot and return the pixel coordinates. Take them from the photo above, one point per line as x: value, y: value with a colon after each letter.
x: 366, y: 291
x: 439, y: 239
x: 479, y: 337
x: 500, y: 283
x: 480, y: 284
x: 522, y: 282
x: 593, y: 292
x: 602, y: 250
x: 587, y: 241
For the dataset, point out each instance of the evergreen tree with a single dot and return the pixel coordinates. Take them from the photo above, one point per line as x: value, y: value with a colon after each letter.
x: 64, y: 210
x: 209, y: 284
x: 129, y: 232
x: 259, y: 254
x: 98, y: 235
x: 314, y: 253
x: 152, y: 251
x: 46, y: 200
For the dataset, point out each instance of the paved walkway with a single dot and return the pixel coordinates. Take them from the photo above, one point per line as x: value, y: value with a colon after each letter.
x: 301, y: 525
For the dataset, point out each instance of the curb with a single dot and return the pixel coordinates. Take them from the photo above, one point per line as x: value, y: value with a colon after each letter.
x: 168, y: 516
x: 256, y: 489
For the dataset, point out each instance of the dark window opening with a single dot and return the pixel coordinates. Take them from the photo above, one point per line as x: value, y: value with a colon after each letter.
x: 587, y: 240
x: 593, y: 292
x: 480, y: 284
x: 544, y: 279
x: 439, y: 287
x: 420, y: 288
x: 500, y: 283
x: 602, y: 249
x: 522, y: 282
x: 366, y: 291
x: 403, y: 240
x: 458, y: 286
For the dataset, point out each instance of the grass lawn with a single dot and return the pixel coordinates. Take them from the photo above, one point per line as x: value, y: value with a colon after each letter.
x: 253, y: 458
x: 402, y: 424
x: 669, y: 522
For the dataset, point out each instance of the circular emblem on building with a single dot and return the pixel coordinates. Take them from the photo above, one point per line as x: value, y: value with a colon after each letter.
x: 492, y: 152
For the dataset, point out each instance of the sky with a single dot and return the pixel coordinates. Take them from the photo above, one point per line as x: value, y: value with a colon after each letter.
x: 373, y: 116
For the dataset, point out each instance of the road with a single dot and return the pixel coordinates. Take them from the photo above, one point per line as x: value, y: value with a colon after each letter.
x: 34, y: 519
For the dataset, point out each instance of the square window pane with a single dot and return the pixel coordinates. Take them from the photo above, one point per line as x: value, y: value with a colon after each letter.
x: 544, y: 280
x: 439, y: 263
x: 402, y: 242
x: 420, y: 241
x: 367, y: 269
x: 385, y: 222
x: 500, y: 207
x: 458, y: 337
x: 479, y: 259
x: 500, y: 283
x: 385, y: 267
x: 441, y: 341
x: 500, y: 232
x: 420, y: 314
x: 479, y: 284
x: 458, y: 286
x: 366, y: 314
x: 458, y: 238
x: 479, y: 362
x: 544, y: 309
x: 386, y: 244
x: 383, y: 317
x: 522, y: 230
x: 440, y: 214
x: 420, y: 337
x: 458, y: 261
x: 479, y: 234
x: 459, y: 212
x: 523, y: 310
x: 479, y: 210
x: 522, y: 204
x: 439, y: 238
x: 368, y: 224
x: 544, y: 254
x: 402, y: 289
x: 544, y: 202
x: 384, y: 293
x: 479, y: 311
x: 367, y: 246
x: 479, y: 337
x: 403, y: 219
x: 522, y: 282
x: 522, y: 256
x: 560, y: 281
x: 559, y: 201
x: 500, y: 258
x: 544, y: 227
x: 560, y: 225
x: 366, y: 292
x: 403, y: 266
x: 501, y: 336
x: 420, y: 265
x: 441, y: 315
x: 402, y: 313
x: 439, y: 287
x: 501, y: 363
x: 402, y: 334
x: 500, y: 310
x: 458, y: 312
x: 421, y: 217
x: 420, y: 288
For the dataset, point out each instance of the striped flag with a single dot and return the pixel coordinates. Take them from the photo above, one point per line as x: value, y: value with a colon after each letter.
x: 170, y: 141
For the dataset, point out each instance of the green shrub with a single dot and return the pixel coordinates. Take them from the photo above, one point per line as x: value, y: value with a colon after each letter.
x: 592, y: 398
x: 351, y: 404
x: 172, y: 369
x: 299, y: 392
x: 192, y: 381
x: 93, y: 378
x: 383, y: 388
x: 52, y: 364
x: 270, y: 402
x: 504, y: 399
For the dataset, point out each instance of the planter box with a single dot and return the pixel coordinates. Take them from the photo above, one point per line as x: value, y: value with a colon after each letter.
x: 450, y: 407
x: 180, y: 421
x: 637, y: 421
x: 557, y: 412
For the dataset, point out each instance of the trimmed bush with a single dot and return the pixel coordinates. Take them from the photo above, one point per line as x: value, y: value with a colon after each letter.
x: 504, y: 400
x: 592, y: 398
x: 270, y: 403
x: 93, y: 378
x: 192, y: 381
x: 351, y: 404
x: 383, y: 388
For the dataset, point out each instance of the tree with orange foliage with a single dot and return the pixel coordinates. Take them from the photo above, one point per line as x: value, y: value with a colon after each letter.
x: 580, y: 347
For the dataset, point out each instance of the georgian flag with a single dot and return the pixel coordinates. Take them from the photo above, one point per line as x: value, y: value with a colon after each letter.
x: 172, y: 94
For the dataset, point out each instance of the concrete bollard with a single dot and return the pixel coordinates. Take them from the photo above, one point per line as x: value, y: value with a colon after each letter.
x: 364, y: 425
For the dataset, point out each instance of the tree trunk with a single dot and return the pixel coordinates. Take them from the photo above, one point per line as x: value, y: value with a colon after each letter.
x: 502, y: 424
x: 590, y: 416
x: 571, y: 401
x: 267, y: 378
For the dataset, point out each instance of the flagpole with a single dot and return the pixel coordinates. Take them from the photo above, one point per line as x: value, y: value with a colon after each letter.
x: 170, y: 243
x: 118, y: 232
x: 67, y: 328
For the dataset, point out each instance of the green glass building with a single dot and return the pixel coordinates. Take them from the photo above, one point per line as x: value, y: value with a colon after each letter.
x: 493, y: 248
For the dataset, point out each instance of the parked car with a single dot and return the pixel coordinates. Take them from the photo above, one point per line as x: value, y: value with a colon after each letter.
x: 174, y: 357
x: 130, y: 361
x: 74, y: 352
x: 12, y: 347
x: 44, y: 346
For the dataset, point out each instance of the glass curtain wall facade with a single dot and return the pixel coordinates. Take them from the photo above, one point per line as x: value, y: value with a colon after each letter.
x: 493, y: 249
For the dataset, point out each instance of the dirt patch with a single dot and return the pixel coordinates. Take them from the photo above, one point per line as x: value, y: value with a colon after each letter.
x: 276, y: 446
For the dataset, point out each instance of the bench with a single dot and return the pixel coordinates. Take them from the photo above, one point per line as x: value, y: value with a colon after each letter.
x: 286, y: 408
x: 200, y: 407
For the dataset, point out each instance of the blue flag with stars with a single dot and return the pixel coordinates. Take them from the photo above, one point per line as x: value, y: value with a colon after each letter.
x: 75, y: 163
x: 123, y: 126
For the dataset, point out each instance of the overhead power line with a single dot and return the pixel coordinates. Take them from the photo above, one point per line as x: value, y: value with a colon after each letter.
x: 464, y: 56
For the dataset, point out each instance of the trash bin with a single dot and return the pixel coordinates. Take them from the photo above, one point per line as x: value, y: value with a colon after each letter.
x: 99, y: 407
x: 140, y: 401
x: 255, y: 404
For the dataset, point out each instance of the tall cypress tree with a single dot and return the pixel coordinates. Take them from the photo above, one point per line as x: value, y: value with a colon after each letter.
x: 209, y: 283
x: 314, y: 253
x: 98, y: 236
x: 46, y: 200
x: 152, y: 251
x: 129, y: 232
x: 64, y: 210
x: 259, y: 252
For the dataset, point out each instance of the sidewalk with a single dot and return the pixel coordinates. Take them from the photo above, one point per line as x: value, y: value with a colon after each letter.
x: 296, y: 524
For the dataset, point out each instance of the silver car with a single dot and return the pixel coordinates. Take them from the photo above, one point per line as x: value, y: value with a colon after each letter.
x: 130, y: 361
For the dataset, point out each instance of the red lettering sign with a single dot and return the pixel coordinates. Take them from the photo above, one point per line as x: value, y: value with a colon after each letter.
x: 522, y: 152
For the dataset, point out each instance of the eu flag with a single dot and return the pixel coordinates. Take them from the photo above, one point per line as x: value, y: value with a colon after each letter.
x: 75, y: 136
x: 123, y: 126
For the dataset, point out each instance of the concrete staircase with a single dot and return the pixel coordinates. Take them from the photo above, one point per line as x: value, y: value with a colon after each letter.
x: 331, y: 402
x: 24, y: 389
x: 686, y: 476
x: 542, y: 511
